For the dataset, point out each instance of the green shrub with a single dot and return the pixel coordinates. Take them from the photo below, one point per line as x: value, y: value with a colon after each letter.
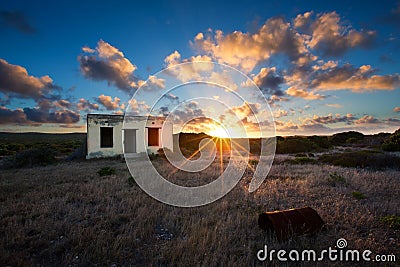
x: 34, y: 157
x: 16, y: 147
x: 5, y: 152
x: 353, y: 140
x: 390, y: 147
x: 253, y: 162
x: 392, y: 220
x: 131, y: 181
x: 357, y: 195
x: 336, y: 179
x: 392, y: 143
x: 301, y: 160
x: 105, y: 171
x: 295, y: 144
x: 304, y: 160
x: 8, y: 149
x: 320, y: 141
x: 153, y: 156
x: 362, y: 159
x: 345, y: 138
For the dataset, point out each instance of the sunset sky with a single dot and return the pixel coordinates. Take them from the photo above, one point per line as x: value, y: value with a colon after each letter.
x: 323, y: 66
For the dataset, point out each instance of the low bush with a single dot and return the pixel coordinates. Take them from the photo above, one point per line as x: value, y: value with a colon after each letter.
x: 105, y: 171
x: 301, y: 160
x: 131, y: 181
x: 392, y: 220
x: 7, y: 149
x: 346, y: 138
x: 295, y: 144
x: 153, y: 156
x: 362, y: 159
x: 253, y: 162
x: 391, y: 147
x: 335, y: 179
x: 304, y: 160
x: 79, y: 153
x: 34, y: 157
x: 392, y: 143
x: 357, y: 195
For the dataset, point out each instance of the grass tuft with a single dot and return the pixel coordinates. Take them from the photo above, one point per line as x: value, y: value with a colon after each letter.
x: 131, y: 181
x: 106, y: 171
x: 358, y: 195
x: 336, y: 179
x: 392, y: 220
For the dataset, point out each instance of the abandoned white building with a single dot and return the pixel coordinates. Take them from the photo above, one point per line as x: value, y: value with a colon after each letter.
x: 110, y: 135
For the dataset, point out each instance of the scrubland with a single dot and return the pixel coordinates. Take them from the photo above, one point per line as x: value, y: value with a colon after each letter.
x: 68, y: 214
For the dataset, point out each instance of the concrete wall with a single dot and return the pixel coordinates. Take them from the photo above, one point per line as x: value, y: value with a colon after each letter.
x: 94, y: 122
x: 140, y: 124
x: 167, y: 136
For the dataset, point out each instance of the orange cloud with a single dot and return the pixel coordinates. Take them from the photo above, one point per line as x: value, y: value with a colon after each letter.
x: 293, y: 91
x: 107, y: 63
x: 280, y: 113
x: 187, y: 72
x: 84, y: 104
x: 245, y: 110
x: 330, y: 37
x: 108, y: 102
x: 359, y: 83
x: 246, y: 50
x: 366, y: 120
x: 15, y: 79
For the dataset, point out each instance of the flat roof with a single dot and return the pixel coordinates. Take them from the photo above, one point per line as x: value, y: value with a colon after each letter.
x: 98, y: 115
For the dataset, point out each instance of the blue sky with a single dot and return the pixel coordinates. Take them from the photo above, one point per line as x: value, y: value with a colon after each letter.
x: 323, y: 66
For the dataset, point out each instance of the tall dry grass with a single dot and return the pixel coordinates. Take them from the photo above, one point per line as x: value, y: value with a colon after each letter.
x: 68, y: 215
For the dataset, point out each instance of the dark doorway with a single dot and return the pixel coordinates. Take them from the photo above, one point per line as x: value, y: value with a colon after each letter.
x: 106, y: 137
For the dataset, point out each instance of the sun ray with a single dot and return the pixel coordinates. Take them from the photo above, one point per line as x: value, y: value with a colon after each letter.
x: 240, y: 146
x: 197, y: 151
x: 221, y: 159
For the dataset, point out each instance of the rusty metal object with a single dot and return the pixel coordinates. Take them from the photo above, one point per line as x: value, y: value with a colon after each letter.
x: 292, y: 222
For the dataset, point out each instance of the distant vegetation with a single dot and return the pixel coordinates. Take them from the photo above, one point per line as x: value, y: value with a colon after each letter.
x: 92, y: 212
x: 302, y: 160
x: 61, y: 144
x: 106, y: 171
x: 34, y: 157
x: 298, y: 144
x: 355, y: 149
x: 362, y: 159
x: 38, y: 149
x: 392, y: 143
x: 189, y: 142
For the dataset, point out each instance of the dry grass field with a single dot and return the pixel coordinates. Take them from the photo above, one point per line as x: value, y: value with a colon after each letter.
x: 69, y: 215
